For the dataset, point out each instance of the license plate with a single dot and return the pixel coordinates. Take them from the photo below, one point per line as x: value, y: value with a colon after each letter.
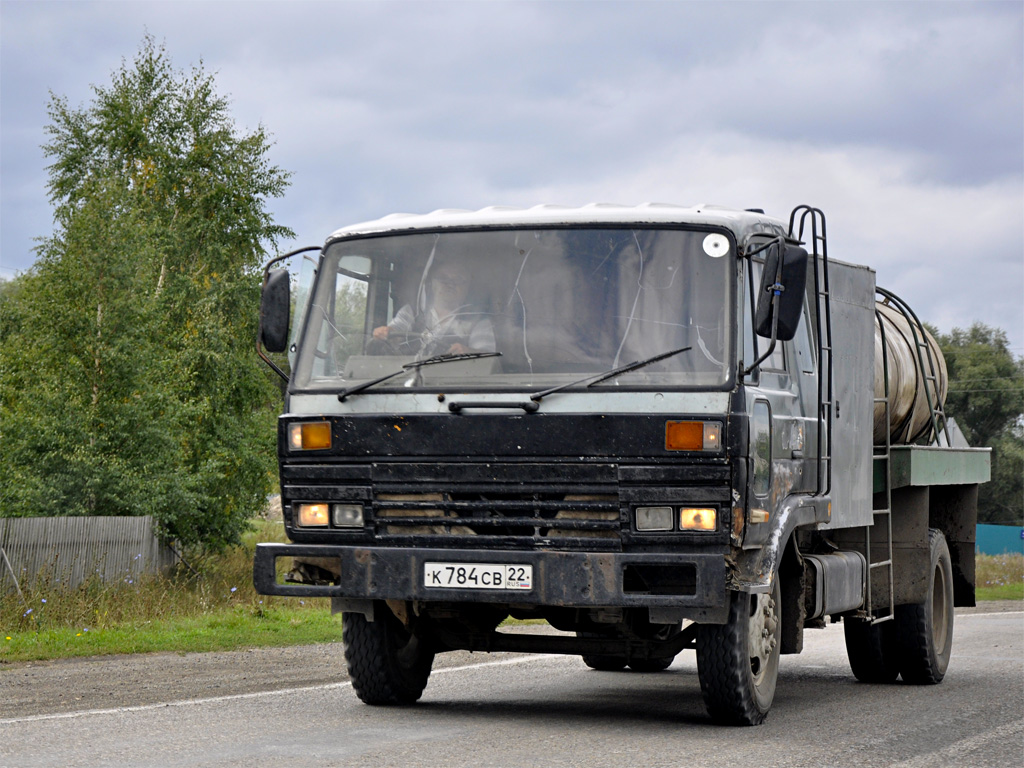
x: 478, y: 576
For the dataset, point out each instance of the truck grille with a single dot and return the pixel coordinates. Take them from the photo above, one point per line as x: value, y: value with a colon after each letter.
x: 502, y: 505
x: 511, y: 517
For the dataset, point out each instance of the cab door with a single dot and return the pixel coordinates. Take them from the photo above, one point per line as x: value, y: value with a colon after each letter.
x: 781, y: 400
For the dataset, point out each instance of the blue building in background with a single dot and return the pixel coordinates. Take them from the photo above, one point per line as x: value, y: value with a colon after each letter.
x: 1000, y: 539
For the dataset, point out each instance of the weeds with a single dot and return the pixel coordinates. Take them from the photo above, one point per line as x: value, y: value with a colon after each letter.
x: 1000, y: 576
x: 209, y: 584
x: 212, y: 605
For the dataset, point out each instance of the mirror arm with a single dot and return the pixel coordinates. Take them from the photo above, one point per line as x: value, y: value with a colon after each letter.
x: 771, y: 344
x: 268, y: 361
x: 282, y: 257
x: 259, y: 331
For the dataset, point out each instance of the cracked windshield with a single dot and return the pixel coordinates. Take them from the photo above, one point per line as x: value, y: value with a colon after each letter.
x: 556, y: 305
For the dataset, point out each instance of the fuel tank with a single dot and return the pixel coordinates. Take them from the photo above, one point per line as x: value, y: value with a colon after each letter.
x: 896, y: 353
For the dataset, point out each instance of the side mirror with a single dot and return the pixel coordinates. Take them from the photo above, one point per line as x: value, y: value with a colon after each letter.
x: 274, y: 310
x: 782, y: 292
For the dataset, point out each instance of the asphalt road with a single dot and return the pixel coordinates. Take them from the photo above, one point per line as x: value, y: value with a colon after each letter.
x: 294, y: 707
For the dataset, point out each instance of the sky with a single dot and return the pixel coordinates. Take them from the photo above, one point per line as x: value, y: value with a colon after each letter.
x: 903, y: 121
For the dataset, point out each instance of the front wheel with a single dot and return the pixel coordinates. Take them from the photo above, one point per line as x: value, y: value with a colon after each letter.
x: 738, y: 662
x: 925, y: 629
x: 387, y: 663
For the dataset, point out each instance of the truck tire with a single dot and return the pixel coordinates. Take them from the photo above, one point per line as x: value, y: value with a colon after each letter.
x: 605, y: 663
x: 650, y: 665
x: 872, y: 650
x: 738, y: 662
x: 602, y: 662
x: 387, y: 663
x: 925, y: 629
x: 657, y: 665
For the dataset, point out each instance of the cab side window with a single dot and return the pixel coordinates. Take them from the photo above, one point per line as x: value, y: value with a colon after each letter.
x: 754, y: 346
x: 802, y: 343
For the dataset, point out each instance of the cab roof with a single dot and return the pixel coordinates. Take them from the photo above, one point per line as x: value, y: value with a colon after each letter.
x: 742, y: 223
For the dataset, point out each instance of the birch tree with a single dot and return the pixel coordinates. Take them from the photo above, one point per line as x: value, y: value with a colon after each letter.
x: 129, y: 383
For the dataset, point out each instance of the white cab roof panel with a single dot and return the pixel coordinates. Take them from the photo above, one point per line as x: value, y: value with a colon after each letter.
x: 740, y: 222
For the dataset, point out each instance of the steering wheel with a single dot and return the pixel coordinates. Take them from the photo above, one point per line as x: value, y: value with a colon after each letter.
x: 395, y: 344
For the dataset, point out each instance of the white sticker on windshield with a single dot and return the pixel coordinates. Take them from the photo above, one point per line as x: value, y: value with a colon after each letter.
x: 716, y: 245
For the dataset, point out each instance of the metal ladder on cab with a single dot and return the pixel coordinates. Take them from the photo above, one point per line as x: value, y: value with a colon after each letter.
x: 819, y: 255
x: 819, y: 251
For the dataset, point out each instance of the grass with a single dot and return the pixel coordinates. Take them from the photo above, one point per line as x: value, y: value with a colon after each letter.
x: 215, y: 607
x: 210, y: 605
x: 1000, y: 577
x: 222, y: 630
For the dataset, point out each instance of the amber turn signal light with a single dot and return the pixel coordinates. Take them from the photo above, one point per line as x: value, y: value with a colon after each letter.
x: 693, y: 435
x: 309, y: 436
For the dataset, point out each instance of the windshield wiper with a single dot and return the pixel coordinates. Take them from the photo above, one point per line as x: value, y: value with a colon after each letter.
x: 414, y: 365
x: 598, y: 378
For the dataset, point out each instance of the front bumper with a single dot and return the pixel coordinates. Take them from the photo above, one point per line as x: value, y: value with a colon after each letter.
x: 694, y: 585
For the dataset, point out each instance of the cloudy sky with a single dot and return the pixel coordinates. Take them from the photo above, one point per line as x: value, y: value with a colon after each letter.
x: 903, y: 121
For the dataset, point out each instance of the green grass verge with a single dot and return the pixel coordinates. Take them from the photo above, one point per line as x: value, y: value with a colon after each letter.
x: 209, y: 606
x: 999, y: 577
x: 213, y: 607
x: 1001, y: 592
x: 224, y: 630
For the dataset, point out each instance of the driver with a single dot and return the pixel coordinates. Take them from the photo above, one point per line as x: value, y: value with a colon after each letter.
x: 449, y: 324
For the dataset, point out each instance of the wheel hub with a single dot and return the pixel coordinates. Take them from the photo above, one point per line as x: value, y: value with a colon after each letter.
x: 762, y: 636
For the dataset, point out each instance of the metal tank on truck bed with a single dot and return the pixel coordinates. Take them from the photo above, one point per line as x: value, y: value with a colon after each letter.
x: 657, y: 428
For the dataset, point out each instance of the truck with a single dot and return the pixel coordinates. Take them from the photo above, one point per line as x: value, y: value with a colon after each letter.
x: 656, y: 428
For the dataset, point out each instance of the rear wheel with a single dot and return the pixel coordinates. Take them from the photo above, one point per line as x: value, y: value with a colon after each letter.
x: 650, y: 665
x: 605, y: 663
x: 657, y: 665
x: 387, y: 663
x: 925, y: 630
x: 602, y: 662
x: 738, y: 662
x: 872, y: 650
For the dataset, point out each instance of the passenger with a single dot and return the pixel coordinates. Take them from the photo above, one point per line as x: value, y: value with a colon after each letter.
x: 449, y: 324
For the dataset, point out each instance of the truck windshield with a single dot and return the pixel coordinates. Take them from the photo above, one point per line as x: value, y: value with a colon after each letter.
x: 556, y: 304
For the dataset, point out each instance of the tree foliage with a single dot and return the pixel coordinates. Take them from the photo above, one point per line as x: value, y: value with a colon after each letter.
x: 128, y: 383
x: 986, y: 397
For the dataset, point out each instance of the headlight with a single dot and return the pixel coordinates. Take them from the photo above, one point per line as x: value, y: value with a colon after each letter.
x: 654, y: 518
x: 697, y: 518
x: 347, y: 515
x: 309, y: 436
x: 312, y: 515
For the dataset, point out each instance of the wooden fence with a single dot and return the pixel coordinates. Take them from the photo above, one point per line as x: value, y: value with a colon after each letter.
x: 70, y: 550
